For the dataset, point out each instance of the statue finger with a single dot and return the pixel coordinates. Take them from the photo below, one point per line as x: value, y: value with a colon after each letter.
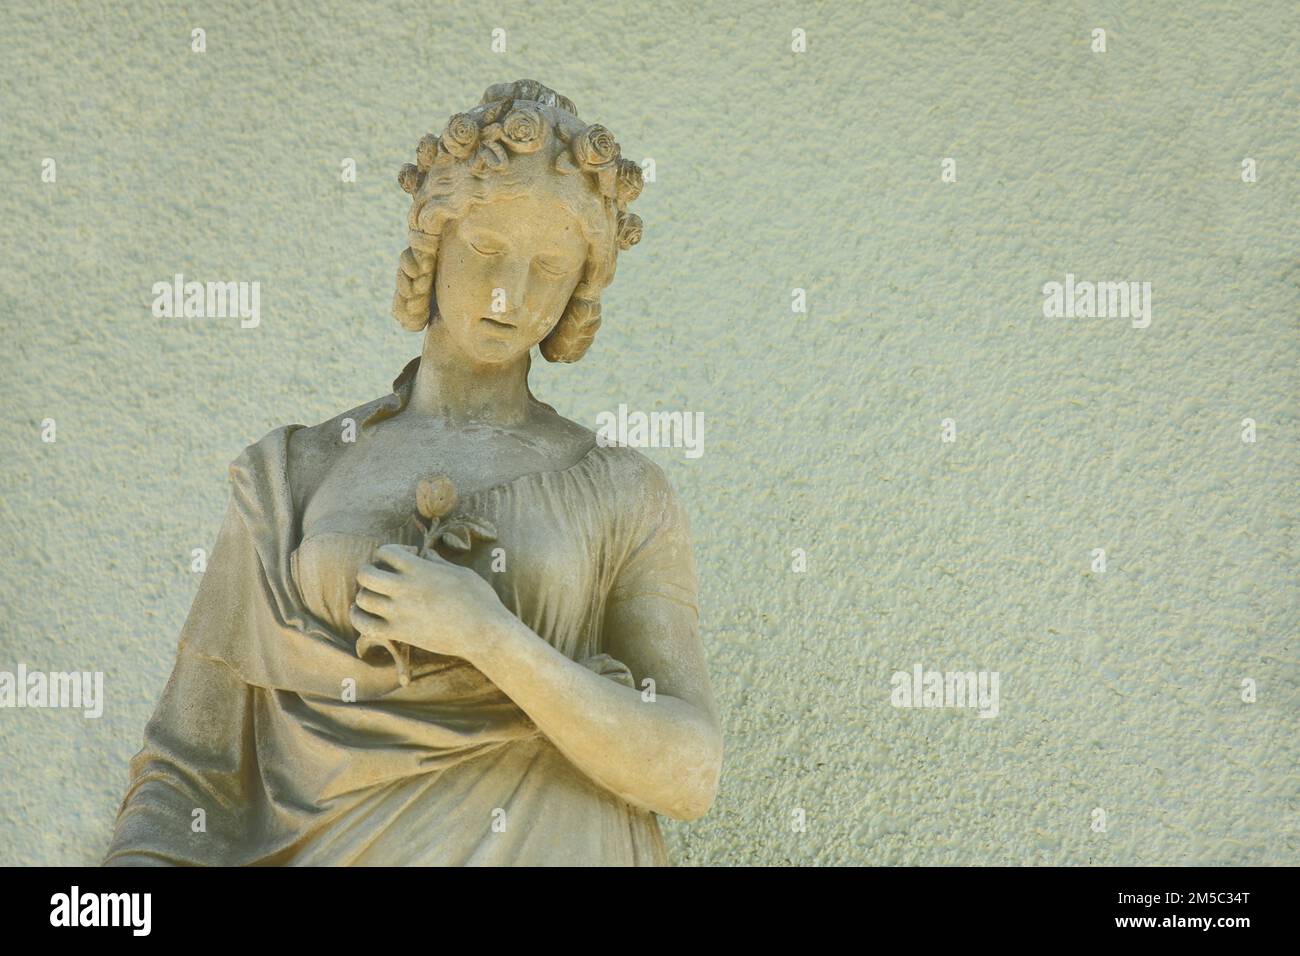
x: 374, y: 578
x: 365, y: 622
x: 374, y: 603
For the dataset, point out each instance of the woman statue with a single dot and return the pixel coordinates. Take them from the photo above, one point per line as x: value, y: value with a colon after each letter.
x: 448, y: 626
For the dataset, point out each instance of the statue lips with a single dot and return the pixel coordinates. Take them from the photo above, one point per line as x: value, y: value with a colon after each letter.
x: 499, y: 325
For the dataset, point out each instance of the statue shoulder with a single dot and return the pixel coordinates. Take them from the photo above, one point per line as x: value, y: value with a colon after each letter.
x: 313, y: 449
x: 641, y: 483
x: 629, y: 477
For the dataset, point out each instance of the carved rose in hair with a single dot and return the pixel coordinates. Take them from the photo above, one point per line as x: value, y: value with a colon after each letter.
x: 426, y: 152
x: 491, y: 154
x: 524, y: 129
x: 629, y: 230
x: 461, y: 135
x: 595, y: 149
x: 630, y: 180
x: 409, y: 178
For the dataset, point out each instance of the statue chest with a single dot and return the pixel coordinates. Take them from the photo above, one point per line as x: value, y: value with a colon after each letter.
x: 372, y: 486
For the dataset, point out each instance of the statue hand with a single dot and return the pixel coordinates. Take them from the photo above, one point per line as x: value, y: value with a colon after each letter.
x: 426, y: 602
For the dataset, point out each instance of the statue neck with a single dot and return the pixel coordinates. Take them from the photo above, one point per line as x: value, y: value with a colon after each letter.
x: 449, y: 385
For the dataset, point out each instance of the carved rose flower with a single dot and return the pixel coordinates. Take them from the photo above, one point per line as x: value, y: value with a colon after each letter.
x: 595, y: 149
x: 426, y: 152
x: 630, y: 180
x: 409, y: 178
x: 524, y: 129
x: 629, y: 230
x: 435, y: 496
x: 461, y: 135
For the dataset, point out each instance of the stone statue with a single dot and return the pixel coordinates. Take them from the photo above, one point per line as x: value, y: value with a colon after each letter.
x: 448, y: 626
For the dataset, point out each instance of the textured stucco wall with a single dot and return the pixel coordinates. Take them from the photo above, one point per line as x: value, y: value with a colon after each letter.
x: 775, y: 171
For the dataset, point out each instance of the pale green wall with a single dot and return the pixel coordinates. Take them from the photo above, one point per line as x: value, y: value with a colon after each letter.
x: 775, y: 171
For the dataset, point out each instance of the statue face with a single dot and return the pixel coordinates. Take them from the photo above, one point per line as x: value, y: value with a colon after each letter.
x: 505, y: 273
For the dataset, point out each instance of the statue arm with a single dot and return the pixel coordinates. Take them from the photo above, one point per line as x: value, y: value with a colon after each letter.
x: 659, y: 745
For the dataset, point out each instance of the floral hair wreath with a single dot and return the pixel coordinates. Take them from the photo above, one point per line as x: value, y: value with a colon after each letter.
x: 517, y: 118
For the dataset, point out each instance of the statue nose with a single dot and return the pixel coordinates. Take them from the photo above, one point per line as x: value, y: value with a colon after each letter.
x: 513, y: 280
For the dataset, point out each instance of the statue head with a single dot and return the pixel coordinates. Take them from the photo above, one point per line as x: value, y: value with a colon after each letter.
x: 518, y: 213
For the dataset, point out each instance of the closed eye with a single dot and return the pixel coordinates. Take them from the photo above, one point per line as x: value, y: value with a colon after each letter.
x: 552, y: 269
x: 484, y: 250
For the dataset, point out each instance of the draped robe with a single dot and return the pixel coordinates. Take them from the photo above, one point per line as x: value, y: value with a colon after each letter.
x: 274, y: 743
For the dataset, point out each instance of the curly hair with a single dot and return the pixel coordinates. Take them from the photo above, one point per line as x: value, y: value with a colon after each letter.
x: 469, y: 163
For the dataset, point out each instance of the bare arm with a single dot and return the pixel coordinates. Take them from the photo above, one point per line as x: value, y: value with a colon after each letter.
x: 660, y: 751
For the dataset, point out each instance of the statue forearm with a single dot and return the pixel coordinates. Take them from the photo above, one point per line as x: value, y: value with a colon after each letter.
x: 664, y: 756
